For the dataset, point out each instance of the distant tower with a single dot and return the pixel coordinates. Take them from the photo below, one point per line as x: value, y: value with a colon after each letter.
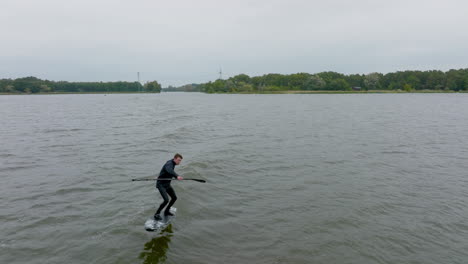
x: 220, y: 73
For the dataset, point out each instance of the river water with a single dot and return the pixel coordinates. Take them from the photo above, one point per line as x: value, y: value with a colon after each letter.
x: 317, y: 178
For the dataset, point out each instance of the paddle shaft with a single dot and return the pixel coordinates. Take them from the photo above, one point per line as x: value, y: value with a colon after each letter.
x: 185, y: 179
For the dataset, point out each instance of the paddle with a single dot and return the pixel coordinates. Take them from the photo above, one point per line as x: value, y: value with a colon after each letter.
x: 185, y: 179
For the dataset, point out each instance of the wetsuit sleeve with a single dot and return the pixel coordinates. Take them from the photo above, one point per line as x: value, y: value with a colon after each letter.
x: 168, y: 168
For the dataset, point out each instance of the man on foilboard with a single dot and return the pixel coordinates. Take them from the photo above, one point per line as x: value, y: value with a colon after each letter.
x: 164, y: 186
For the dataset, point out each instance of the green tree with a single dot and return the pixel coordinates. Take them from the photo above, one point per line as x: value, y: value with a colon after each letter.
x: 435, y: 80
x: 355, y: 80
x: 10, y: 89
x: 339, y: 85
x: 330, y: 76
x: 245, y: 87
x: 220, y: 86
x: 45, y: 89
x: 240, y: 78
x: 297, y: 81
x: 371, y: 80
x: 314, y: 82
x: 413, y: 81
x: 153, y: 87
x: 230, y: 86
x: 208, y: 88
x: 407, y: 87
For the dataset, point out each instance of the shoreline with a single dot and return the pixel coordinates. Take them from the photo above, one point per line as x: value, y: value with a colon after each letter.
x: 52, y: 93
x: 264, y: 92
x: 345, y: 92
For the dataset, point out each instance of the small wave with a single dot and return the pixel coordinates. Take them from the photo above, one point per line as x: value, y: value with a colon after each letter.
x: 334, y: 162
x: 73, y: 190
x: 342, y: 223
x: 201, y: 165
x: 60, y: 146
x: 52, y: 220
x: 31, y: 197
x: 54, y: 130
x: 35, y: 197
x: 394, y: 152
x: 381, y: 209
x: 60, y: 130
x: 15, y: 168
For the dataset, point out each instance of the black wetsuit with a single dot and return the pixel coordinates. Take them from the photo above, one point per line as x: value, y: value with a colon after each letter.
x: 164, y: 187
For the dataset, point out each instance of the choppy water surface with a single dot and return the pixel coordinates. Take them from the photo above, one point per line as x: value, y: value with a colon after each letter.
x: 291, y: 178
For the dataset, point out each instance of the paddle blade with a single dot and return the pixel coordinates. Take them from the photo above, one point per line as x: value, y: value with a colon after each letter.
x: 198, y: 180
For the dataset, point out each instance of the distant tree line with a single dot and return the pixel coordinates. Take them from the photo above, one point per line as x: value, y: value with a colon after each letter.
x: 452, y: 80
x: 193, y: 87
x: 35, y: 85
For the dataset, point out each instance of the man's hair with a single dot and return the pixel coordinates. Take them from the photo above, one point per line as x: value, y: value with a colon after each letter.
x: 177, y: 155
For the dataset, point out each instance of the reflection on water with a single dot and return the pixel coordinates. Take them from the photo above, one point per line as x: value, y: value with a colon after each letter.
x: 156, y: 249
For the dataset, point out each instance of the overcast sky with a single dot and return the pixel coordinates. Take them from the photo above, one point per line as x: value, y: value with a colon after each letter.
x: 180, y: 41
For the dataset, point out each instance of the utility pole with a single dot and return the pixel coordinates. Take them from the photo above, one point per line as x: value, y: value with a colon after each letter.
x: 220, y: 73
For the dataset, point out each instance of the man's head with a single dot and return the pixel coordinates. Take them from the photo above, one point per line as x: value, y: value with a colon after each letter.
x: 177, y: 158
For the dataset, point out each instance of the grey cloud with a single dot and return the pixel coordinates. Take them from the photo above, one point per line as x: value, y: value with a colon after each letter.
x: 177, y: 42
